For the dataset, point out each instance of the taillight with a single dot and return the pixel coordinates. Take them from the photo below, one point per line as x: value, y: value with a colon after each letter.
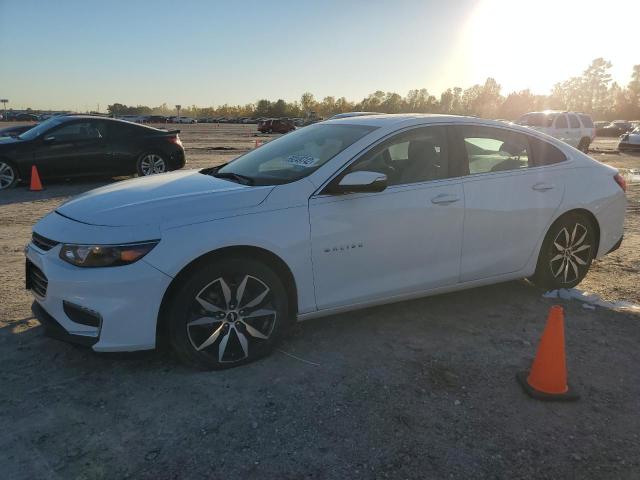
x: 175, y: 140
x: 622, y: 183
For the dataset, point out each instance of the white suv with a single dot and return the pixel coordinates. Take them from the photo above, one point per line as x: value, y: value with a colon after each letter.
x: 574, y: 128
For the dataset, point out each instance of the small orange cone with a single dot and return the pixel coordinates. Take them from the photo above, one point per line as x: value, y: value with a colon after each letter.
x: 547, y: 379
x: 36, y: 185
x: 257, y: 143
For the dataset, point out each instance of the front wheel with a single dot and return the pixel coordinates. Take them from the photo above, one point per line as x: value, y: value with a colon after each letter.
x: 227, y: 313
x: 8, y: 175
x: 566, y: 253
x: 150, y: 164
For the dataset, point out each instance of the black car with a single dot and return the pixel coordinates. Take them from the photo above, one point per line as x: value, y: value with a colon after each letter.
x: 75, y: 145
x: 16, y: 130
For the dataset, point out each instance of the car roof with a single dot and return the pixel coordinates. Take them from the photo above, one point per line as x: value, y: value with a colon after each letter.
x: 386, y: 119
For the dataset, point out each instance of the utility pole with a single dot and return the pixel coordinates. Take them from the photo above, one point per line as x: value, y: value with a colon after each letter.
x: 4, y: 102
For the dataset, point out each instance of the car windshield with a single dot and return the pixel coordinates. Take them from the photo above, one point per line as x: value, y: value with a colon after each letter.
x: 38, y: 130
x: 536, y: 120
x: 294, y: 155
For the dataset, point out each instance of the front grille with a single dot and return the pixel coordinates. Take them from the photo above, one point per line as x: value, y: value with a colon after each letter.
x: 43, y: 243
x: 38, y: 281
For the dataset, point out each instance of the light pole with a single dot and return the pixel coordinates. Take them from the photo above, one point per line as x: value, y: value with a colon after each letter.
x: 4, y: 102
x: 178, y: 107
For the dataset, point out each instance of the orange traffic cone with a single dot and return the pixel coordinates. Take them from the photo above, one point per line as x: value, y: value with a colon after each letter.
x: 547, y: 379
x: 36, y: 185
x: 257, y: 143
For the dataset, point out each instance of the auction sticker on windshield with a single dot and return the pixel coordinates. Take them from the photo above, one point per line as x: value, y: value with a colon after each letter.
x: 303, y: 160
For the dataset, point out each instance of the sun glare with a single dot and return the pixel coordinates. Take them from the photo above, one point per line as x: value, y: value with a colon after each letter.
x: 536, y: 44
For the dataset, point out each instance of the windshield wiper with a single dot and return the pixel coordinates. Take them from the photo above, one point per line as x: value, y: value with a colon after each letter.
x: 243, y: 179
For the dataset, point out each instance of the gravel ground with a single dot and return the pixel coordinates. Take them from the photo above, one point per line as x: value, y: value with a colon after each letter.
x: 420, y: 389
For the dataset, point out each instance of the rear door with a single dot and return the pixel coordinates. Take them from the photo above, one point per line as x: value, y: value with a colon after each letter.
x: 561, y: 128
x: 575, y: 129
x: 510, y: 197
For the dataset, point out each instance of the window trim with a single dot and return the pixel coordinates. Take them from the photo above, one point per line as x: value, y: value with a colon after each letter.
x: 454, y: 143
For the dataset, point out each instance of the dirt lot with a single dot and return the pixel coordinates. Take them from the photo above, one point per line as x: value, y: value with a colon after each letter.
x: 420, y: 389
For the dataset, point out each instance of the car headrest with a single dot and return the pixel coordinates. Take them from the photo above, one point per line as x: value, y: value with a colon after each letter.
x: 421, y: 150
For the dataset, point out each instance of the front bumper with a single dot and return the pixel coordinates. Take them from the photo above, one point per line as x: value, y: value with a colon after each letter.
x: 127, y: 299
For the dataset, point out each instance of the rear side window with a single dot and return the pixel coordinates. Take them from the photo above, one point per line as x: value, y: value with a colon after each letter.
x: 536, y: 120
x: 494, y: 150
x: 586, y: 121
x: 573, y: 121
x: 543, y: 153
x: 561, y: 122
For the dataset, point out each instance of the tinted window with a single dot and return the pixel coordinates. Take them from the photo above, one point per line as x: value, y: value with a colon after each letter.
x: 41, y: 128
x: 79, y: 131
x: 544, y: 153
x: 573, y: 121
x: 586, y: 121
x: 536, y: 120
x: 418, y: 155
x: 494, y: 150
x: 297, y: 154
x: 561, y: 122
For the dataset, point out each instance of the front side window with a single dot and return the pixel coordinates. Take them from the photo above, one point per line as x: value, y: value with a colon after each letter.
x: 494, y: 150
x: 573, y: 121
x: 295, y: 155
x: 78, y: 131
x: 561, y: 122
x: 418, y: 155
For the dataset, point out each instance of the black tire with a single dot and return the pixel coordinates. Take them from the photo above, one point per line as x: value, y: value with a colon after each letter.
x: 557, y: 269
x: 583, y: 146
x: 247, y: 338
x: 145, y: 157
x: 9, y: 174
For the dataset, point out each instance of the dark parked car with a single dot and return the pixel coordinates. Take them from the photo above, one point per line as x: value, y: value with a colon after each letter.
x: 276, y: 126
x: 26, y: 117
x: 16, y: 130
x: 76, y: 145
x: 615, y: 129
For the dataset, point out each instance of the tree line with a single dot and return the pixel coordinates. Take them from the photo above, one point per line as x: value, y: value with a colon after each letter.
x: 593, y: 92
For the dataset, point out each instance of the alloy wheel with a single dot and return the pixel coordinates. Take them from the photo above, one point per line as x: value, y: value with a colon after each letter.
x: 151, y: 164
x: 7, y: 175
x: 230, y: 316
x: 570, y: 254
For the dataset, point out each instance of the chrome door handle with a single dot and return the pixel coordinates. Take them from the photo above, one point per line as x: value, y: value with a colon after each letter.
x: 543, y: 187
x: 445, y: 199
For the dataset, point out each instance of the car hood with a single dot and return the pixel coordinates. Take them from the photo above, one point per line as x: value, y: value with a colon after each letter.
x: 177, y: 198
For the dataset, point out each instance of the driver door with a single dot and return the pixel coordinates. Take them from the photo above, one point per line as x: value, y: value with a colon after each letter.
x: 405, y: 239
x: 73, y: 148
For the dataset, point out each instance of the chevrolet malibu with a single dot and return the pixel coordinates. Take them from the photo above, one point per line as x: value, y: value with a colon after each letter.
x: 337, y: 216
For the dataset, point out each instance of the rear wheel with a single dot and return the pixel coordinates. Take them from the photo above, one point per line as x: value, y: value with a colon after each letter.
x: 227, y: 313
x: 566, y: 253
x: 583, y: 146
x: 150, y: 164
x: 8, y: 175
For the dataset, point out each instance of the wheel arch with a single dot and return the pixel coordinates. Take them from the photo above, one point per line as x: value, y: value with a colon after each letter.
x: 266, y: 256
x: 583, y: 211
x: 21, y: 170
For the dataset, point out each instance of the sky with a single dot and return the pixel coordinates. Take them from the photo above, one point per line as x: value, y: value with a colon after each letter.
x: 84, y: 55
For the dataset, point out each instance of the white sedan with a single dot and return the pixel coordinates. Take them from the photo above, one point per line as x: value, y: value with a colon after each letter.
x: 336, y: 216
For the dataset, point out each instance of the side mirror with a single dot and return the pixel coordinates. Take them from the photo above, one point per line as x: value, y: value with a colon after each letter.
x: 49, y: 139
x: 360, y: 182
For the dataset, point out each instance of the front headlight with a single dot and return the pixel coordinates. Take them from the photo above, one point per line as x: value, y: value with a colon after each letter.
x: 105, y: 255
